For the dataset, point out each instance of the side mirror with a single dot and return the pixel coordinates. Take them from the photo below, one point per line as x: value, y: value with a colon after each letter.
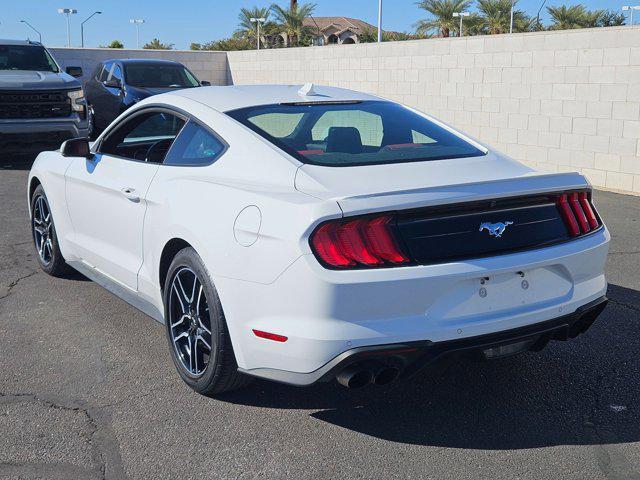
x: 113, y: 83
x: 205, y: 83
x: 76, y: 147
x: 74, y: 71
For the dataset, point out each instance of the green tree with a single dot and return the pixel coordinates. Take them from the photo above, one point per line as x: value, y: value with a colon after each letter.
x: 496, y: 15
x: 592, y: 18
x: 291, y: 21
x: 610, y: 18
x: 156, y: 44
x: 442, y: 20
x: 236, y: 42
x: 113, y: 44
x: 563, y: 17
x: 248, y: 29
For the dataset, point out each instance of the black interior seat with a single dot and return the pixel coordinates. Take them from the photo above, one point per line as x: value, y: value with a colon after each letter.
x: 344, y: 140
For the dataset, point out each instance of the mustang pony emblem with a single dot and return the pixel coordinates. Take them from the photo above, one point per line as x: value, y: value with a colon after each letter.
x: 495, y: 229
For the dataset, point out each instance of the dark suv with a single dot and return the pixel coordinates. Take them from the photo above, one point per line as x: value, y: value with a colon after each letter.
x: 115, y: 85
x: 40, y: 105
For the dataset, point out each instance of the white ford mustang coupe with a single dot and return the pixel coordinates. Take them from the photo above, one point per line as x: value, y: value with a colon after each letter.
x: 305, y: 234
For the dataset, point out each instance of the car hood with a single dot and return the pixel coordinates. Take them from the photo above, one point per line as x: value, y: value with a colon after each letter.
x: 35, y: 80
x: 410, y: 185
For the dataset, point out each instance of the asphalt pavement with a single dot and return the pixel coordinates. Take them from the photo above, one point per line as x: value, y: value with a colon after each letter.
x: 88, y: 391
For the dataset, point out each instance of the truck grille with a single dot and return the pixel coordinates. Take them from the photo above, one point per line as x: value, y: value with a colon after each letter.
x: 19, y: 105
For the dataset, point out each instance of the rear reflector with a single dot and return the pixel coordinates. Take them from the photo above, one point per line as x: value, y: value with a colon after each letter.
x: 270, y: 336
x: 368, y: 242
x: 577, y: 213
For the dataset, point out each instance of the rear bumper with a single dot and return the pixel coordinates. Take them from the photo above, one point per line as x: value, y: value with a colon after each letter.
x: 325, y: 313
x: 410, y: 357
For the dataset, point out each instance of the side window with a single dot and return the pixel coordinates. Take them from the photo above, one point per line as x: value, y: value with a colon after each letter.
x: 104, y: 74
x: 117, y: 73
x: 369, y: 125
x: 194, y: 146
x: 146, y: 136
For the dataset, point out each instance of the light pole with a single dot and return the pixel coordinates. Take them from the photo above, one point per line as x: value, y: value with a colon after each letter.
x: 513, y: 2
x: 32, y: 28
x: 630, y: 8
x: 461, y: 15
x: 67, y: 12
x: 82, y: 27
x: 379, y: 20
x: 137, y: 22
x: 258, y: 21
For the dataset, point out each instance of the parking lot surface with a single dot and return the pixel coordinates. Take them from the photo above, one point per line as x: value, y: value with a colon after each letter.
x: 88, y: 390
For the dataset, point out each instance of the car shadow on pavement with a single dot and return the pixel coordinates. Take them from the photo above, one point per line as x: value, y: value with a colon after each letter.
x: 582, y: 392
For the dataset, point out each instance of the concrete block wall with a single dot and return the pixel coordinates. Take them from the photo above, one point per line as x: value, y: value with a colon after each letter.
x: 210, y: 66
x: 558, y: 101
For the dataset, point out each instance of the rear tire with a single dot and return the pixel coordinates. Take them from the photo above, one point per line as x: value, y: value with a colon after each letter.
x: 44, y: 236
x: 196, y: 328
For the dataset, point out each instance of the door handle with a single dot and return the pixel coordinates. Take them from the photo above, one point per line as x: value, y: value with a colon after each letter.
x: 131, y: 194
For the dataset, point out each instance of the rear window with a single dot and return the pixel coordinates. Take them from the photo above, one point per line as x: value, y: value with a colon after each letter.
x: 353, y: 133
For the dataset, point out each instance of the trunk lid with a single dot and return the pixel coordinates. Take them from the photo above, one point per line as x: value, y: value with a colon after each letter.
x: 365, y: 189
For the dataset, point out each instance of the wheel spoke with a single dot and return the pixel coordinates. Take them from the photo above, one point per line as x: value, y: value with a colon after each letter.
x: 203, y: 326
x: 190, y: 354
x: 195, y: 355
x: 182, y: 335
x: 174, y: 325
x: 199, y: 337
x: 193, y: 289
x: 184, y: 294
x: 179, y: 297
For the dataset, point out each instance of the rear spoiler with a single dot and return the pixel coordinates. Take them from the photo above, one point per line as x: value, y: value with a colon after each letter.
x: 531, y: 184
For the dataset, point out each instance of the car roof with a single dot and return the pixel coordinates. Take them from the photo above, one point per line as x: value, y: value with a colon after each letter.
x: 233, y: 97
x: 20, y: 42
x: 152, y: 61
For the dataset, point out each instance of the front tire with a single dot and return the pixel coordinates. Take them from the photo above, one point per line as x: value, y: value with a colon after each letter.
x: 44, y: 236
x: 196, y: 328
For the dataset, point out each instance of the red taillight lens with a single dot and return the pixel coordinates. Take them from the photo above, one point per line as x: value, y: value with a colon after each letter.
x: 270, y: 336
x: 577, y: 213
x: 363, y: 242
x: 588, y: 210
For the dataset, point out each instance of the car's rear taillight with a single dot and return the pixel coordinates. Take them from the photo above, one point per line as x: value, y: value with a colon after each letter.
x: 368, y: 242
x: 577, y: 213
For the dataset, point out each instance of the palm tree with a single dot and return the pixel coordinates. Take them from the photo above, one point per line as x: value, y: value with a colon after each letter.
x: 442, y: 16
x: 156, y: 44
x: 497, y: 16
x: 247, y: 29
x: 291, y: 20
x: 592, y: 18
x: 564, y: 18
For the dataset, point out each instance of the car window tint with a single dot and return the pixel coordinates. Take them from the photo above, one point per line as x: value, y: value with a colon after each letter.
x: 277, y: 125
x: 350, y: 133
x: 117, y: 73
x: 104, y: 74
x: 142, y: 135
x: 369, y: 125
x: 194, y: 146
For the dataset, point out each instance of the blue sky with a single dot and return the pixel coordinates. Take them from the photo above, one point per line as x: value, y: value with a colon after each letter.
x: 187, y: 21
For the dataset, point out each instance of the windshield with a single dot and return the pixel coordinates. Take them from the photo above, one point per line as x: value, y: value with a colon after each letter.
x: 159, y: 76
x: 353, y: 133
x: 26, y: 57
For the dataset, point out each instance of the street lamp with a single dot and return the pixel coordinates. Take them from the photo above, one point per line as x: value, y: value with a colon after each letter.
x: 82, y: 27
x: 67, y: 12
x: 513, y: 2
x: 137, y: 22
x: 32, y: 28
x: 379, y: 21
x: 258, y: 21
x: 461, y: 15
x: 630, y: 8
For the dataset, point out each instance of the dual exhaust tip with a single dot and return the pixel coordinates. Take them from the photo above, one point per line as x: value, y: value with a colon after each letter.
x: 358, y: 375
